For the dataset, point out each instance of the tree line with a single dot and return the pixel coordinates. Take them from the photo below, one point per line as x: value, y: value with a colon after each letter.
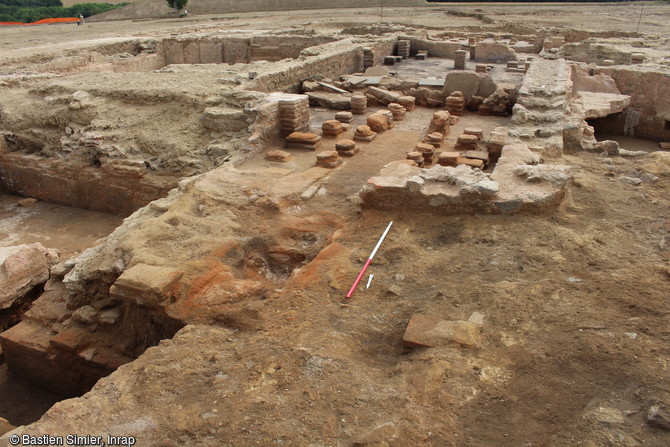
x: 534, y: 1
x: 28, y: 11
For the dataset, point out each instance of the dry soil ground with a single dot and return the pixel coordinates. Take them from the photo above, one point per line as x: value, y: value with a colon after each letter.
x: 576, y: 307
x: 608, y: 17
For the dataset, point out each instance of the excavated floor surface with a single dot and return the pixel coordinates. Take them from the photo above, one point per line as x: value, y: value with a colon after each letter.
x: 69, y: 230
x: 576, y: 344
x: 575, y: 337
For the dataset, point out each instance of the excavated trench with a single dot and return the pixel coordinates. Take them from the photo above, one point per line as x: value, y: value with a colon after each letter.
x: 70, y: 231
x: 624, y: 128
x: 96, y: 166
x: 106, y: 326
x: 85, y: 185
x: 47, y: 351
x: 611, y: 128
x: 149, y: 55
x: 115, y: 319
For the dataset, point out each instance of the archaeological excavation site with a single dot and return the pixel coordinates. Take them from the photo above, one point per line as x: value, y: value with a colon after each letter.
x: 186, y: 202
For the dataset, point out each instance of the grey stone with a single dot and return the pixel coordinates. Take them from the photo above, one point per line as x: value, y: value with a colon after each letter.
x: 329, y: 100
x: 605, y: 415
x: 394, y: 290
x: 494, y: 52
x: 429, y: 331
x: 309, y: 192
x: 509, y: 206
x: 109, y: 316
x: 465, y: 82
x: 85, y: 314
x: 659, y: 417
x: 80, y: 96
x: 415, y: 183
x: 224, y: 120
x: 487, y: 86
x: 62, y: 268
x: 383, y: 96
x: 627, y: 153
x: 648, y: 178
x: 555, y: 174
x: 487, y: 187
x: 477, y: 318
x: 431, y: 82
x: 630, y: 180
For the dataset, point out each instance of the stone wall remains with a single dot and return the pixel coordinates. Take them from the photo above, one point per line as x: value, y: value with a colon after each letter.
x: 649, y: 113
x: 74, y: 183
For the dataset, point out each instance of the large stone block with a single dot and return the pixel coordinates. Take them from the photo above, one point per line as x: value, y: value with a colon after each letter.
x: 429, y: 331
x: 384, y: 96
x: 222, y: 119
x: 146, y: 284
x: 328, y: 100
x: 469, y: 84
x: 494, y: 52
x: 22, y: 268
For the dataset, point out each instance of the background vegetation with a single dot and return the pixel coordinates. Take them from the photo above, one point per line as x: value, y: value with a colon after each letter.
x: 177, y: 4
x: 534, y: 1
x: 28, y: 11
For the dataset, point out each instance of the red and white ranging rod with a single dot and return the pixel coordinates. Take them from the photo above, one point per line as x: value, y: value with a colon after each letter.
x: 367, y: 263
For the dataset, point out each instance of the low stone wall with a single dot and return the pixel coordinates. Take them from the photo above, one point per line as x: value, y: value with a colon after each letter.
x: 75, y: 184
x: 519, y: 183
x: 435, y: 48
x: 594, y: 52
x: 236, y: 50
x: 330, y: 60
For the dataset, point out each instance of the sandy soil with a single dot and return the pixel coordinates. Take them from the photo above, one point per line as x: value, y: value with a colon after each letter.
x: 575, y: 315
x: 622, y: 17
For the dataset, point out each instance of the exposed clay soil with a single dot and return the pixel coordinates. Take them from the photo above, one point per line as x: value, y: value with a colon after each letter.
x: 576, y: 318
x: 575, y: 347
